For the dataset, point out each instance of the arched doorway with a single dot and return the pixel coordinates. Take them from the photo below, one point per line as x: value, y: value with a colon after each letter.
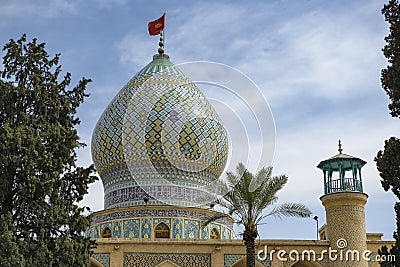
x: 214, y: 234
x: 162, y: 231
x: 106, y: 233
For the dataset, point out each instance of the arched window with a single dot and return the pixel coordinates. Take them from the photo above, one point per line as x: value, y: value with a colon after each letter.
x: 161, y: 231
x: 214, y: 234
x: 106, y: 233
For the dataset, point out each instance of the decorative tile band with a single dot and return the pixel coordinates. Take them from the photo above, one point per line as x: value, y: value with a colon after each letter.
x: 185, y: 195
x: 103, y: 258
x: 183, y: 260
x: 136, y: 213
x: 146, y: 227
x: 230, y: 259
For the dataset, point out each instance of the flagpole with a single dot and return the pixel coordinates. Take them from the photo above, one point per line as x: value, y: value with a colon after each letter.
x: 161, y: 44
x: 163, y: 34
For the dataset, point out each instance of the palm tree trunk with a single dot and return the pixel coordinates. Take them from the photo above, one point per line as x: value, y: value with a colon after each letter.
x: 249, y: 237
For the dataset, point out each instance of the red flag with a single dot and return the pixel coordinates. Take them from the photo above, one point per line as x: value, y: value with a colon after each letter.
x: 155, y: 27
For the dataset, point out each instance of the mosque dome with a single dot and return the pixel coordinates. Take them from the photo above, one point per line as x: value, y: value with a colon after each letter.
x: 159, y: 141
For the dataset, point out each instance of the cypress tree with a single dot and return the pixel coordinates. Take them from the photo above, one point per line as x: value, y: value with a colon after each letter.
x: 40, y: 183
x: 388, y: 160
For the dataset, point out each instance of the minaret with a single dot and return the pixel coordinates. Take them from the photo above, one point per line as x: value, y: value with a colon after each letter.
x: 344, y: 202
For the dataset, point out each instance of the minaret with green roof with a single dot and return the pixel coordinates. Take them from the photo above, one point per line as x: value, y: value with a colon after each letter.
x: 347, y: 169
x: 344, y: 202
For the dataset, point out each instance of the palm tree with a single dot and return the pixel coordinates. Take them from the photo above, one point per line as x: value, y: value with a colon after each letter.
x: 248, y: 196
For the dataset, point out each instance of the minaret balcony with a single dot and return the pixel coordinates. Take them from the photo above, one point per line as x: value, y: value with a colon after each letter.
x: 342, y: 185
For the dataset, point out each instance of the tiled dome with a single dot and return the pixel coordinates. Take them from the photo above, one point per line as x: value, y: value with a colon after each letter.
x: 159, y: 139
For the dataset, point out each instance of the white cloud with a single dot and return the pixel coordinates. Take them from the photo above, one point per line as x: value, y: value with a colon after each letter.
x: 325, y: 55
x: 110, y: 3
x: 136, y: 51
x: 25, y: 8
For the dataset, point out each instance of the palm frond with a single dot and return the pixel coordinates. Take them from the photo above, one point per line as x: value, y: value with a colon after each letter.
x: 290, y: 209
x: 215, y: 218
x: 267, y: 194
x: 260, y: 178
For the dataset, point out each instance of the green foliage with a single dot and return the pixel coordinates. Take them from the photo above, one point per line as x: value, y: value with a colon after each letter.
x: 40, y: 184
x: 249, y: 196
x: 390, y: 258
x: 388, y: 161
x: 9, y: 252
x: 385, y: 253
x: 388, y: 164
x: 390, y: 77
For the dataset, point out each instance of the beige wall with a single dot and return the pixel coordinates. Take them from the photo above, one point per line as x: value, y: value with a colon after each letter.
x: 219, y: 248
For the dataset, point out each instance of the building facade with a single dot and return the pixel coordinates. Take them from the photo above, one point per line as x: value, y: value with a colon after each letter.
x: 159, y: 148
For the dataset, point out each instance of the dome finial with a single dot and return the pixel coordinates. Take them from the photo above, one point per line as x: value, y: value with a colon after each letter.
x: 161, y: 44
x: 340, y: 147
x: 156, y: 27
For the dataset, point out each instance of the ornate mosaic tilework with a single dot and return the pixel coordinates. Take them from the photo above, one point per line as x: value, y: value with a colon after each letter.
x: 149, y: 133
x: 94, y: 232
x: 117, y: 229
x: 147, y: 228
x: 140, y: 223
x: 156, y: 221
x: 157, y: 213
x: 230, y: 259
x: 143, y: 228
x: 192, y: 229
x: 177, y: 229
x: 103, y: 258
x: 137, y: 194
x: 205, y: 232
x: 131, y: 228
x: 184, y: 260
x: 226, y: 233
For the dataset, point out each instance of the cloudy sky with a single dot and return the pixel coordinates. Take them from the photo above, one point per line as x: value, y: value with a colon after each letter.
x: 317, y: 63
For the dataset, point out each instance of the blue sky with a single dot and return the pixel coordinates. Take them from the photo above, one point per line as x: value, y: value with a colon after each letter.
x: 317, y: 63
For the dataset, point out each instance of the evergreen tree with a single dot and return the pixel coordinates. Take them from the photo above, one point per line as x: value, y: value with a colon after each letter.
x: 388, y: 163
x: 9, y: 253
x: 40, y: 184
x: 388, y: 160
x: 390, y: 76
